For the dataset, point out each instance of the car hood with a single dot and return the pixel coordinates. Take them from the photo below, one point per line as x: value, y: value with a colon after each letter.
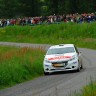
x: 60, y: 57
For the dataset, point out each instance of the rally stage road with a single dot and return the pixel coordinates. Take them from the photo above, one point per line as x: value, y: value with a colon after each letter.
x: 59, y: 84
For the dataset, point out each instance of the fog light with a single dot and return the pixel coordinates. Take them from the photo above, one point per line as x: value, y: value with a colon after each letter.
x: 73, y: 66
x: 47, y: 69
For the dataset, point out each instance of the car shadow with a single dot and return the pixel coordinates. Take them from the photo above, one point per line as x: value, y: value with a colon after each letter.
x: 67, y: 72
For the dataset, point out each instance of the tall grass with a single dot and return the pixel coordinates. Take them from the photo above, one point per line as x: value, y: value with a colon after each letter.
x: 89, y: 90
x: 19, y: 64
x: 83, y: 35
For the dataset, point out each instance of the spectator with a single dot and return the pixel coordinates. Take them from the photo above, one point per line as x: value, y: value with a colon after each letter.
x: 78, y: 18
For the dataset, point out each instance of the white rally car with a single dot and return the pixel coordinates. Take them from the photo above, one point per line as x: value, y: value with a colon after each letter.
x: 63, y: 57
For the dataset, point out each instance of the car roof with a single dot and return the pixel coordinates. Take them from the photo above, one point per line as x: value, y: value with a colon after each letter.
x: 62, y: 46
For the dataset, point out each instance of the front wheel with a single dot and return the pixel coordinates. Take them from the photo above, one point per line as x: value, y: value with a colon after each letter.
x: 46, y: 73
x: 78, y: 70
x: 79, y: 67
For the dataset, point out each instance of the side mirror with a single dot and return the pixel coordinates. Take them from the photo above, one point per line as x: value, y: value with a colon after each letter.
x: 79, y: 53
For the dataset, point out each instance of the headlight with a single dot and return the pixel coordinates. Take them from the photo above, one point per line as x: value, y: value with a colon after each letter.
x: 47, y: 61
x: 73, y: 58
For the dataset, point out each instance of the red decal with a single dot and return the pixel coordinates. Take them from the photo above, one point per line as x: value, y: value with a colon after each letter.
x: 59, y: 57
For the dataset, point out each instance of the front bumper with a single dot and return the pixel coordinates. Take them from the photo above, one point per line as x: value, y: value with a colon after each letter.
x: 70, y: 65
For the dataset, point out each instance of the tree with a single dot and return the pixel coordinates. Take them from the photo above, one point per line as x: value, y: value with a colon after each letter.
x: 8, y: 8
x: 52, y: 6
x: 70, y: 6
x: 13, y: 8
x: 30, y: 7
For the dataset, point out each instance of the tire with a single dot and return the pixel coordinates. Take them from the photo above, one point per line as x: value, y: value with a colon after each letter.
x: 46, y: 73
x: 81, y: 65
x: 79, y: 68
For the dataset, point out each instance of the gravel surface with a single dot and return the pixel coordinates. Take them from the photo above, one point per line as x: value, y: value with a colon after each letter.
x: 59, y: 84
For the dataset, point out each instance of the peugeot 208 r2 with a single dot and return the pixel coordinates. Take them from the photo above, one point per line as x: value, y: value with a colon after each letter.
x: 63, y: 57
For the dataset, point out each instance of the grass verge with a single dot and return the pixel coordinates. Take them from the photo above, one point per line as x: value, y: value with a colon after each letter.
x: 19, y: 65
x: 89, y: 90
x: 83, y: 35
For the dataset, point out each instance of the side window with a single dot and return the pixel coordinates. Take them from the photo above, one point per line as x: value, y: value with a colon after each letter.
x: 76, y: 49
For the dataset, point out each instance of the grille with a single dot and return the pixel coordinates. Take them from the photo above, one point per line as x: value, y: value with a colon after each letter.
x: 60, y: 64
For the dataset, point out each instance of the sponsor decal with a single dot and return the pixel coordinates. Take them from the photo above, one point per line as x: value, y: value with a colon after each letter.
x: 60, y: 57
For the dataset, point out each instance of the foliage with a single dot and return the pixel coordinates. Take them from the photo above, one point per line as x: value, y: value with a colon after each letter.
x: 89, y: 90
x: 30, y: 7
x: 19, y: 64
x: 18, y: 8
x: 8, y: 8
x: 52, y: 34
x: 71, y: 6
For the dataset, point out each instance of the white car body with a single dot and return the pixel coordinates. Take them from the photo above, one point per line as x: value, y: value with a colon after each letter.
x: 56, y: 60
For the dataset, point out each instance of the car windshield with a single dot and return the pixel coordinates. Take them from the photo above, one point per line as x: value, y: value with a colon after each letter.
x: 60, y: 50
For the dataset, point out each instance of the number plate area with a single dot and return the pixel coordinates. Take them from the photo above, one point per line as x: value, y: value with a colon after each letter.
x: 59, y: 65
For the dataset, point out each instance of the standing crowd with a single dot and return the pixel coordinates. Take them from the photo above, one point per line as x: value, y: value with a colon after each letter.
x: 76, y: 18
